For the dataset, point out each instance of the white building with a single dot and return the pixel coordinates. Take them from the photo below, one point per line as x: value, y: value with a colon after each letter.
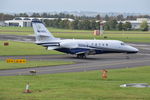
x: 136, y: 23
x: 26, y: 21
x: 19, y: 23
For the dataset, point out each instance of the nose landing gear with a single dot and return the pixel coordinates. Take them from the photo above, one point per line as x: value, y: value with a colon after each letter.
x: 81, y: 56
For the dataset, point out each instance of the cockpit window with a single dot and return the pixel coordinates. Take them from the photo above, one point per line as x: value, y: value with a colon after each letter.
x: 122, y: 44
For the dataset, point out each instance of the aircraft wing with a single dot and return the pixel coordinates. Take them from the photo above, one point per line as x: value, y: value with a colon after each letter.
x: 80, y: 53
x: 84, y: 51
x: 52, y: 48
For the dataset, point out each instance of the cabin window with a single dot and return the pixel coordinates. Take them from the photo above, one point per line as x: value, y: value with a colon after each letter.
x: 122, y: 44
x: 87, y: 44
x: 106, y: 44
x: 92, y: 44
x: 95, y: 44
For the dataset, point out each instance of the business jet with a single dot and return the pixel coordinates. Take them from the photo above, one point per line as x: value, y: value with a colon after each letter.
x: 78, y: 47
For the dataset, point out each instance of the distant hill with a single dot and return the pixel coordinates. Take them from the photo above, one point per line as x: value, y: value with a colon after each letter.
x: 89, y: 13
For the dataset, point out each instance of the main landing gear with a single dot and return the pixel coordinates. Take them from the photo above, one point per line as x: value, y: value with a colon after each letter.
x: 82, y: 56
x: 127, y: 56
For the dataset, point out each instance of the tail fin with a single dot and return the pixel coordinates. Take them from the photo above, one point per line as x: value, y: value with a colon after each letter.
x: 41, y: 32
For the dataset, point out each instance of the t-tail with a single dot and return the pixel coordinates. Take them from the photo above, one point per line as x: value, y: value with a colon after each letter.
x: 42, y: 34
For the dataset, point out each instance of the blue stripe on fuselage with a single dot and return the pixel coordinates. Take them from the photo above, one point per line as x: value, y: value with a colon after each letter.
x: 78, y: 50
x: 72, y: 51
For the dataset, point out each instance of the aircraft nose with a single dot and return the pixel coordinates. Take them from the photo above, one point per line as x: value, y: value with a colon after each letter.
x: 133, y: 50
x: 136, y: 50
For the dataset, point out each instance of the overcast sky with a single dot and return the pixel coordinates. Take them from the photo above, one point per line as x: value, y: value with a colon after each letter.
x: 128, y: 6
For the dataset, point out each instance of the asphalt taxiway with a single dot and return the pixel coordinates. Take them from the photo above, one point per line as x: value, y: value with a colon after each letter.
x: 95, y: 62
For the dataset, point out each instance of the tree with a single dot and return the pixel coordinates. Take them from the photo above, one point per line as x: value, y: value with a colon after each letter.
x: 127, y: 26
x: 64, y: 24
x: 120, y: 17
x: 106, y: 26
x: 97, y: 25
x: 23, y: 15
x: 113, y: 24
x: 84, y: 24
x: 120, y: 26
x: 45, y: 15
x: 98, y: 17
x: 5, y: 17
x: 93, y: 25
x: 106, y: 17
x: 35, y: 15
x: 144, y: 26
x: 131, y: 17
x: 74, y: 24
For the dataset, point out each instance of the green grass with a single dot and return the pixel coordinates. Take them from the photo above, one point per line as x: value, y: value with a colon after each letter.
x: 29, y: 30
x: 55, y: 30
x: 21, y: 48
x: 126, y: 32
x: 28, y: 64
x: 16, y: 30
x: 139, y: 38
x: 126, y: 36
x: 78, y: 86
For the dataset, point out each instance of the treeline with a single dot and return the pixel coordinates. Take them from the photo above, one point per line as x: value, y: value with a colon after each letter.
x: 114, y: 25
x: 5, y: 17
x: 82, y: 22
x: 76, y: 24
x: 87, y: 24
x: 62, y: 15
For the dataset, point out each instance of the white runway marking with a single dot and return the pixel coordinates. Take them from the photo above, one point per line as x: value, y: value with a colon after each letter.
x: 144, y: 54
x: 141, y: 45
x: 146, y: 48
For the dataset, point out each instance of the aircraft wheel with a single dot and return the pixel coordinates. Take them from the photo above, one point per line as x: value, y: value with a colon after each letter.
x: 82, y: 56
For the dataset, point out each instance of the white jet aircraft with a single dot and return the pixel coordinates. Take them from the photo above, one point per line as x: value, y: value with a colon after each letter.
x: 78, y: 47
